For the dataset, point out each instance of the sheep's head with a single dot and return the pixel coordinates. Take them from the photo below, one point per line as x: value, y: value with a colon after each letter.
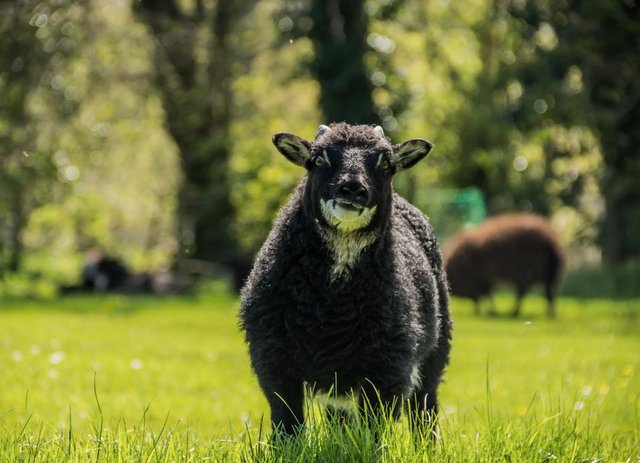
x: 349, y: 172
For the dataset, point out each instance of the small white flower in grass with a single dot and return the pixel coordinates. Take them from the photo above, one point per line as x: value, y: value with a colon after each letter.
x: 35, y: 350
x: 586, y: 391
x: 16, y: 356
x: 136, y: 364
x: 56, y: 357
x: 579, y: 405
x: 53, y: 374
x: 528, y: 323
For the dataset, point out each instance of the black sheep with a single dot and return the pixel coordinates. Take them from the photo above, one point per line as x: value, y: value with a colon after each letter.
x: 348, y: 292
x: 518, y: 249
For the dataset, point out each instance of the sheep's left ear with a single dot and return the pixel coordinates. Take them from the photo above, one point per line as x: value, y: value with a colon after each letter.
x: 294, y: 148
x: 407, y: 154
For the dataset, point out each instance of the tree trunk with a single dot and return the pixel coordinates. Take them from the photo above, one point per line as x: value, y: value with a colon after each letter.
x: 621, y: 190
x: 615, y: 93
x: 339, y: 38
x: 197, y: 103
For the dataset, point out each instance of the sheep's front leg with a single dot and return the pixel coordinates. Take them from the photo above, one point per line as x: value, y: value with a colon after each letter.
x: 377, y: 397
x: 424, y: 409
x: 286, y: 399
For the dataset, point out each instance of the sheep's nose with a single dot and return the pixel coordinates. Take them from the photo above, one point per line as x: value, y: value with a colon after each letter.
x: 353, y: 191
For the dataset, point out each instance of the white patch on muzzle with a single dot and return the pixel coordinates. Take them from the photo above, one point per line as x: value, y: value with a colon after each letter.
x: 344, y: 219
x: 346, y: 245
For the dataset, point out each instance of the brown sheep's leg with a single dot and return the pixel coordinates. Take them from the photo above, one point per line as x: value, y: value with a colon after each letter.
x: 492, y: 312
x: 520, y: 292
x: 476, y: 306
x: 549, y: 289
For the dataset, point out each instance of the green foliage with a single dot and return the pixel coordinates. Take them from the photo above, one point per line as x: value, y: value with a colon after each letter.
x: 195, y: 62
x: 503, y: 142
x: 338, y: 32
x: 27, y: 285
x: 114, y: 170
x: 262, y: 179
x: 619, y: 282
x: 583, y: 65
x: 101, y: 107
x: 36, y: 41
x: 132, y: 378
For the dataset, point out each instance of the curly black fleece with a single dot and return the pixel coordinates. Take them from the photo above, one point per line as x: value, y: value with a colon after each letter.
x: 386, y: 326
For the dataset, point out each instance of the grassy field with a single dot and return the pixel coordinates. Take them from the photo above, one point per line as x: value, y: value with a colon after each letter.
x: 119, y: 378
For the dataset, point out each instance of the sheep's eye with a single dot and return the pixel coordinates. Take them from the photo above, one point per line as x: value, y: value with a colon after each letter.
x: 322, y: 159
x: 383, y: 163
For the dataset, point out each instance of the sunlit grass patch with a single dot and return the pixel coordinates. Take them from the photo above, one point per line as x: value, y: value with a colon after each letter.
x: 545, y: 433
x: 173, y: 381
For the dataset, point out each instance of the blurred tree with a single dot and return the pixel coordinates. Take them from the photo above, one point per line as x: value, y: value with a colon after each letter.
x: 339, y: 33
x: 586, y: 64
x: 117, y: 167
x: 338, y: 30
x: 36, y: 39
x: 274, y: 93
x: 193, y: 73
x: 484, y: 121
x: 494, y: 125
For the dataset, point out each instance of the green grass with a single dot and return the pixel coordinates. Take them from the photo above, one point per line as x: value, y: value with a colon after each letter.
x: 119, y: 378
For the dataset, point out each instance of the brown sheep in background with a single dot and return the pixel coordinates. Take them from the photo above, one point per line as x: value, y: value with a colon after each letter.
x: 517, y: 249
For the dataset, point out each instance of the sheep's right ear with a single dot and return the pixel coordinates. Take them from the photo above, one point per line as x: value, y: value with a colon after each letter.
x: 407, y: 154
x: 294, y: 148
